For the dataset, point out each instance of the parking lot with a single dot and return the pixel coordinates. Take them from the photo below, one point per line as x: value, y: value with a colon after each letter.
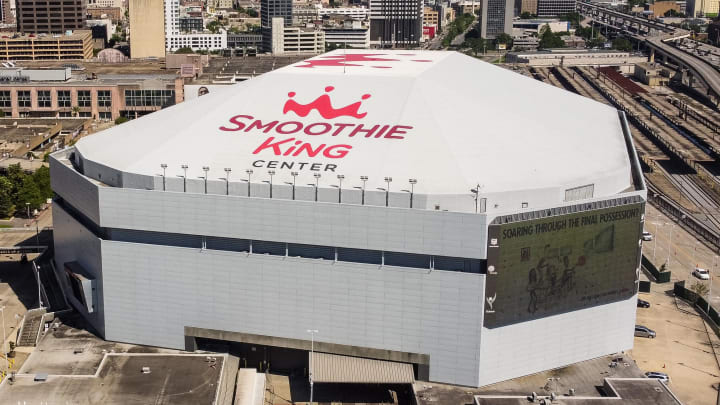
x: 680, y: 250
x: 683, y: 348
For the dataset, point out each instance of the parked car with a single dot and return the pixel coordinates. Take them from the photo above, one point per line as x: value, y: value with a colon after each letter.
x: 700, y: 273
x: 646, y: 236
x: 643, y: 304
x: 658, y: 375
x: 644, y: 331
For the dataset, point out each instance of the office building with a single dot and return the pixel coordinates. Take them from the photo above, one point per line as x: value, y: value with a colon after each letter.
x: 6, y: 14
x: 495, y: 18
x: 356, y: 13
x: 537, y: 24
x: 147, y: 35
x: 352, y: 34
x: 431, y: 18
x: 706, y: 8
x: 176, y: 39
x: 396, y: 23
x: 77, y: 45
x: 52, y: 93
x: 270, y: 9
x: 296, y: 40
x: 323, y: 196
x: 553, y: 8
x: 50, y: 16
x: 113, y: 13
x: 191, y: 24
x: 529, y: 6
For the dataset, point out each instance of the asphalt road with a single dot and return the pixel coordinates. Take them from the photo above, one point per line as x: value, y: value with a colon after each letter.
x: 703, y: 68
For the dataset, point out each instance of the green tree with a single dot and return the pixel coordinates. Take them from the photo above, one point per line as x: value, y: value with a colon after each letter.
x: 184, y: 50
x: 41, y: 177
x: 525, y: 15
x: 504, y: 39
x: 7, y: 208
x: 29, y: 192
x: 574, y: 18
x: 549, y: 40
x: 476, y: 45
x: 16, y: 176
x: 621, y: 44
x: 120, y: 120
x: 700, y: 289
x: 252, y: 13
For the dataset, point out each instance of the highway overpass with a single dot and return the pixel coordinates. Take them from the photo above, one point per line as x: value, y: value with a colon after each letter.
x: 658, y: 37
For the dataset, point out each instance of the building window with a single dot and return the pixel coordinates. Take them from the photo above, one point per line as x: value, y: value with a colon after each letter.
x: 5, y: 100
x: 149, y: 98
x: 104, y: 98
x: 24, y: 99
x: 44, y: 99
x: 63, y: 98
x: 84, y: 99
x: 105, y: 115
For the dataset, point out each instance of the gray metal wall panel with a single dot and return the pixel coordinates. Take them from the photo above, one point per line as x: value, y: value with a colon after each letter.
x: 343, y: 225
x: 152, y: 292
x: 75, y: 188
x: 529, y: 347
x: 73, y: 242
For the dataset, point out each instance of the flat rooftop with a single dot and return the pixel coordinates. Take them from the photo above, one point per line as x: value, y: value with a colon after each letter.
x: 129, y: 67
x: 83, y: 370
x: 586, y: 378
x: 79, y: 35
x: 619, y: 391
x: 563, y: 51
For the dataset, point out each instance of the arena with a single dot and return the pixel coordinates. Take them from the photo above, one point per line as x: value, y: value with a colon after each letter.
x: 415, y: 207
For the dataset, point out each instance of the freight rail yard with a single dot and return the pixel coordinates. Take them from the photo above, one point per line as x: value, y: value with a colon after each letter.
x: 675, y: 133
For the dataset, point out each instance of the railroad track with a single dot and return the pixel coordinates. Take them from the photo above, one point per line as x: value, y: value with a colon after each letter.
x: 675, y: 143
x: 708, y: 205
x: 701, y: 132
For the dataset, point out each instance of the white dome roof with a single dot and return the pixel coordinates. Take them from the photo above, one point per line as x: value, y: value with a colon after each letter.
x: 446, y: 119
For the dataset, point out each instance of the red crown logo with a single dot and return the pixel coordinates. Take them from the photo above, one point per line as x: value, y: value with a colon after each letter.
x: 324, y: 107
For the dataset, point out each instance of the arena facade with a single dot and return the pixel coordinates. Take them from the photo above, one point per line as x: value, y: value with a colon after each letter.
x: 412, y: 206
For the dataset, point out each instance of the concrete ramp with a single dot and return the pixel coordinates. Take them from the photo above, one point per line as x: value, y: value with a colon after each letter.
x: 228, y: 380
x: 250, y: 388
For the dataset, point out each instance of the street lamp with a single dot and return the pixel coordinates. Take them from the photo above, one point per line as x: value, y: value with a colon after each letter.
x: 312, y: 333
x: 339, y: 187
x: 164, y: 167
x: 411, y: 191
x: 184, y: 167
x: 227, y: 180
x: 294, y: 175
x: 249, y: 173
x: 27, y: 205
x: 271, y: 173
x: 205, y: 169
x: 388, y: 180
x: 476, y: 193
x: 364, y: 180
x: 317, y: 183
